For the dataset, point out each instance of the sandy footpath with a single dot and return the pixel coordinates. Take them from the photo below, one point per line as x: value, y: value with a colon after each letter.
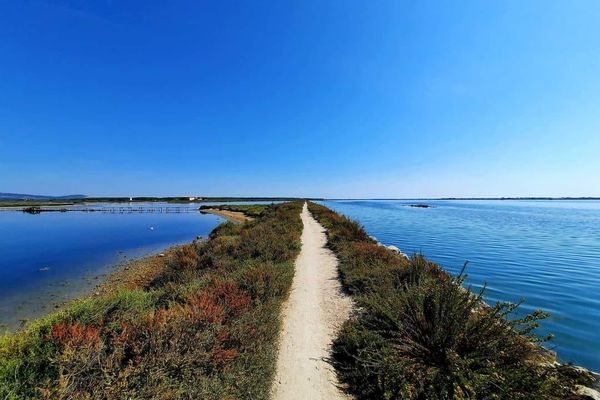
x: 311, y: 316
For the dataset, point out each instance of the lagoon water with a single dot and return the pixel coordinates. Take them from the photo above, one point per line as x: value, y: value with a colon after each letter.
x: 546, y: 253
x: 52, y: 257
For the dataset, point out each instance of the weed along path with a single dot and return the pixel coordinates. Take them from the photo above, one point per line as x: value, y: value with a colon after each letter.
x: 311, y: 316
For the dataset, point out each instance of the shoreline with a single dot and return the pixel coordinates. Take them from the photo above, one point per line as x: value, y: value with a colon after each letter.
x: 109, y: 279
x: 234, y: 216
x: 136, y: 271
x: 125, y: 271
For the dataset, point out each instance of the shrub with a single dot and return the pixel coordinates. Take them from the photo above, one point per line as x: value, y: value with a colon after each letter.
x: 265, y: 281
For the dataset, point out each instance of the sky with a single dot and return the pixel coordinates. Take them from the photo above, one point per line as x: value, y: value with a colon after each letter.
x: 343, y: 99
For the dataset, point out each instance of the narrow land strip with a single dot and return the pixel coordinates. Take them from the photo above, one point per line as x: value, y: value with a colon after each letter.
x: 234, y: 216
x: 311, y: 316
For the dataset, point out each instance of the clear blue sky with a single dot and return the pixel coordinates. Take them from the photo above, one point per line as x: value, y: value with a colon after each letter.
x: 302, y: 98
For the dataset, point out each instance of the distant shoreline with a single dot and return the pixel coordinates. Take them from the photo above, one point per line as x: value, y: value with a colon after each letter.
x: 7, y: 202
x: 467, y: 198
x: 17, y: 204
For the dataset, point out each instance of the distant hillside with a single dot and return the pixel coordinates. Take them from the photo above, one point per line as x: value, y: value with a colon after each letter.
x: 20, y: 196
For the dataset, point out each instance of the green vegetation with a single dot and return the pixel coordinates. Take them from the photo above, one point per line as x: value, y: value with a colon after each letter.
x: 87, y: 200
x: 32, y: 210
x: 229, y: 199
x: 204, y: 327
x: 418, y: 334
x: 39, y: 210
x: 251, y: 210
x: 34, y: 203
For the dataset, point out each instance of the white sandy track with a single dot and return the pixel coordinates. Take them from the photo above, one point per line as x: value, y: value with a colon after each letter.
x: 311, y: 316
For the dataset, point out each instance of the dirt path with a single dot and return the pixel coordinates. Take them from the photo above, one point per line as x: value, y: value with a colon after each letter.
x: 315, y: 309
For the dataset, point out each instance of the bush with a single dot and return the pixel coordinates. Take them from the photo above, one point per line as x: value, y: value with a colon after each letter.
x: 418, y: 334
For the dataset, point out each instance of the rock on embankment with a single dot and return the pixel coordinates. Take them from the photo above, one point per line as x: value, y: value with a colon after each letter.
x: 391, y: 247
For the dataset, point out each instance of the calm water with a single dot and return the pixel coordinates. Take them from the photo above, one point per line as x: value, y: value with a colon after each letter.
x: 52, y: 257
x: 545, y: 252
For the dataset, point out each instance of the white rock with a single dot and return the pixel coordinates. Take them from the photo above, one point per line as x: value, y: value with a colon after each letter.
x: 397, y: 250
x: 394, y: 248
x: 589, y: 392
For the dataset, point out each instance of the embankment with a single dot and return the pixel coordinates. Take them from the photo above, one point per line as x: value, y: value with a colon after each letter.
x: 202, y: 323
x: 419, y: 335
x: 236, y: 212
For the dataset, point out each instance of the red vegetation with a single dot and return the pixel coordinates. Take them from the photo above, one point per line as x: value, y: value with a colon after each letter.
x: 230, y: 295
x: 203, y: 307
x: 75, y: 335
